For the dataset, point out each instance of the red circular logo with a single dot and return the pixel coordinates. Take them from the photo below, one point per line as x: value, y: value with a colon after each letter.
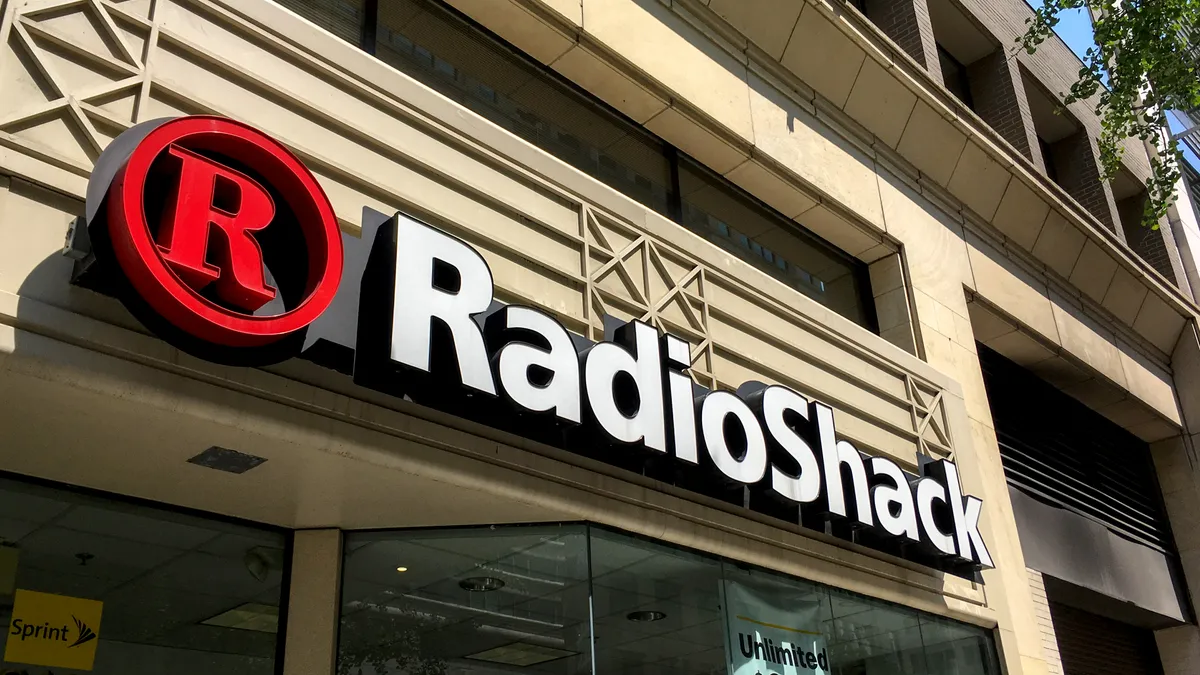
x: 202, y: 268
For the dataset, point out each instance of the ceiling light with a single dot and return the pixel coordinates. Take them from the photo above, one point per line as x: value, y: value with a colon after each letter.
x: 224, y: 459
x: 402, y: 569
x: 646, y: 615
x: 521, y: 654
x: 250, y: 616
x: 481, y: 584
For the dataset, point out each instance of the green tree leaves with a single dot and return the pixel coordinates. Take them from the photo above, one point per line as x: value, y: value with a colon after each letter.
x: 1147, y: 50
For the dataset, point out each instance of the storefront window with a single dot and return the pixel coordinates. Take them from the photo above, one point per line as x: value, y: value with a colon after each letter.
x: 657, y: 610
x: 578, y: 599
x: 93, y: 585
x: 466, y: 602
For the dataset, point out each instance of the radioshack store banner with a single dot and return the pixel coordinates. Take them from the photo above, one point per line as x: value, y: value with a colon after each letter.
x: 766, y: 639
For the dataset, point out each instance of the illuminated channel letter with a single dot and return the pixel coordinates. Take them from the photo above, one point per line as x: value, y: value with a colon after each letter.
x: 440, y: 278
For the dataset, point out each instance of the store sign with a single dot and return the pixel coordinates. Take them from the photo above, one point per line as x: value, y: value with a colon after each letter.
x: 58, y: 631
x: 767, y: 638
x: 416, y: 317
x: 225, y: 239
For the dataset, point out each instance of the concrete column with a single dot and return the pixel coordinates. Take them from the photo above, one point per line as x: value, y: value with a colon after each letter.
x: 1179, y: 649
x: 313, y: 603
x: 907, y: 23
x: 1045, y: 622
x: 1178, y: 468
x: 999, y: 95
x: 893, y: 306
x: 1185, y: 232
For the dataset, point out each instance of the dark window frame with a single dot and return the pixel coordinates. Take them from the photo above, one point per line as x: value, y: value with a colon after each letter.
x: 960, y: 86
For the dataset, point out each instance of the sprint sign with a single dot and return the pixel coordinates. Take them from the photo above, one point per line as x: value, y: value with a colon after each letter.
x: 53, y: 630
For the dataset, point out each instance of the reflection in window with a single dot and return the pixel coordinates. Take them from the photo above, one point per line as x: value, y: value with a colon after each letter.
x: 466, y: 602
x: 343, y: 18
x: 431, y: 45
x: 180, y: 594
x: 486, y: 601
x: 657, y: 610
x: 723, y: 214
x: 868, y: 637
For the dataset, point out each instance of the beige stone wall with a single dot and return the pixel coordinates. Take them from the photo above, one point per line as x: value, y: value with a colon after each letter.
x: 868, y: 158
x: 1045, y: 623
x: 1178, y: 466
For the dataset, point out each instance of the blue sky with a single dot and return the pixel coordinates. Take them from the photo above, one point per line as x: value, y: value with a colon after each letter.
x: 1075, y: 29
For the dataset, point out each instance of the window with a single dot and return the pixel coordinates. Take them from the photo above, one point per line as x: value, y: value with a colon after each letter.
x: 1150, y: 245
x: 179, y: 594
x: 954, y: 74
x: 343, y: 18
x: 1048, y: 160
x: 725, y: 215
x: 579, y: 599
x: 445, y: 51
x: 1067, y: 153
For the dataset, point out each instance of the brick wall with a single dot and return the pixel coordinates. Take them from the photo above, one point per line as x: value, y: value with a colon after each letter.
x: 907, y: 23
x: 999, y: 97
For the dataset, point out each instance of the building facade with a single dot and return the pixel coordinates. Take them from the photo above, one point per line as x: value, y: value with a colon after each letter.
x: 874, y: 374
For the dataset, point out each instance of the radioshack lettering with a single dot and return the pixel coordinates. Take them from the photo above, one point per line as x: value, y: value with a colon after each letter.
x: 430, y: 330
x: 53, y: 630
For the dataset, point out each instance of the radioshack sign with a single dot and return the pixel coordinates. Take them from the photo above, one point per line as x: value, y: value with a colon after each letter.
x: 213, y: 267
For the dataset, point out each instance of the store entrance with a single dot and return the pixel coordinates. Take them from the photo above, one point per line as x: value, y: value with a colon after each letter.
x: 94, y: 585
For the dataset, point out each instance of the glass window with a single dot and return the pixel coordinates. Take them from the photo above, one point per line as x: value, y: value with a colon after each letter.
x: 577, y: 599
x: 436, y: 47
x: 343, y: 18
x: 657, y: 609
x: 737, y: 222
x: 954, y: 74
x: 466, y: 602
x: 951, y: 647
x: 870, y: 637
x: 143, y: 591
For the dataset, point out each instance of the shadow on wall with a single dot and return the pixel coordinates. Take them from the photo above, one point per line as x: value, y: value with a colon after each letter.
x: 34, y: 224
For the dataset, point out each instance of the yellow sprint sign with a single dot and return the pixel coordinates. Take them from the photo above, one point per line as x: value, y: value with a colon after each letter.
x: 53, y: 630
